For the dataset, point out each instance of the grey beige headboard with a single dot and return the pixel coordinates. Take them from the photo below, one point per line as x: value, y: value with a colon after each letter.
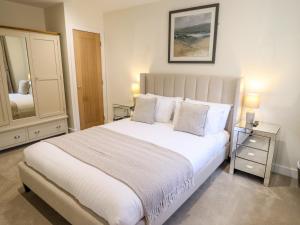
x: 227, y: 90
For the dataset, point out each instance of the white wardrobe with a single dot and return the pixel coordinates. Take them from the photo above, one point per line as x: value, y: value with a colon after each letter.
x: 32, y: 100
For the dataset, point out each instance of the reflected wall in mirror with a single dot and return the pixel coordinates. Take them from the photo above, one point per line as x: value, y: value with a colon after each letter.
x: 18, y: 76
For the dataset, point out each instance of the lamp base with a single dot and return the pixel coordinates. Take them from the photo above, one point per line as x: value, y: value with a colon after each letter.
x: 250, y: 117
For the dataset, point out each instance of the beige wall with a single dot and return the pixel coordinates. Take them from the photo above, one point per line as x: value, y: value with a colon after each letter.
x: 85, y: 17
x: 18, y: 15
x: 55, y: 21
x: 257, y: 39
x: 64, y: 18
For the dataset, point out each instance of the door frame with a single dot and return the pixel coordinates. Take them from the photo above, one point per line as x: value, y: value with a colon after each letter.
x: 73, y: 75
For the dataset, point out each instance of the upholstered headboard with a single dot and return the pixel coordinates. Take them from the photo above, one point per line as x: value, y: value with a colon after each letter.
x: 227, y: 90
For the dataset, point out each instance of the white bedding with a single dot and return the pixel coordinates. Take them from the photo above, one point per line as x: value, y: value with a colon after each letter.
x: 23, y: 102
x: 106, y: 196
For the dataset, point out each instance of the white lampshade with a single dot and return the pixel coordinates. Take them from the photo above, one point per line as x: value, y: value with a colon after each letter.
x: 252, y: 101
x: 135, y: 89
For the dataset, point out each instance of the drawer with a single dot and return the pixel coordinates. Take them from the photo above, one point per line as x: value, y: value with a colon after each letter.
x: 47, y: 129
x: 253, y: 141
x: 252, y: 154
x: 12, y: 137
x: 250, y: 167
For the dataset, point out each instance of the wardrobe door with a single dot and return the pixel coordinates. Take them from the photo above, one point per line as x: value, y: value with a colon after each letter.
x: 3, y: 106
x: 46, y: 69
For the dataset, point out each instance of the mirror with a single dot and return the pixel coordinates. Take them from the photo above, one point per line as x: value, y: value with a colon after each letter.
x: 18, y: 76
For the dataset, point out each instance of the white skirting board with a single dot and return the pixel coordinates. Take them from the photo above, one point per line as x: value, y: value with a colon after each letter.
x: 71, y: 130
x: 286, y: 171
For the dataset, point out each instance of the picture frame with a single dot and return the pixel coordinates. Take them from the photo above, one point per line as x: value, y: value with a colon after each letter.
x: 193, y: 34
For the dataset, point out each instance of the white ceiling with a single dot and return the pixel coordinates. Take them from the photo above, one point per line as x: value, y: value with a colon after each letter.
x: 106, y: 5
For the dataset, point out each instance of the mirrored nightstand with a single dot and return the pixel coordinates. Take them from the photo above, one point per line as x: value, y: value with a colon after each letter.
x: 253, y: 149
x: 121, y: 111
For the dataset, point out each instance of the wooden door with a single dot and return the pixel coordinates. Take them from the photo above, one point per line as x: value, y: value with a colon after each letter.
x: 89, y: 78
x: 46, y: 73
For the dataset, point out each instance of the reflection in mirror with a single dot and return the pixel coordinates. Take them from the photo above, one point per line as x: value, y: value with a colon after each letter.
x: 18, y: 76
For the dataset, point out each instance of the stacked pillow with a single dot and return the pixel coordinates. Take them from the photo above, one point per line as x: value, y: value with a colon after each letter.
x: 191, y: 116
x: 24, y: 87
x: 144, y: 110
x: 163, y: 109
x: 217, y: 116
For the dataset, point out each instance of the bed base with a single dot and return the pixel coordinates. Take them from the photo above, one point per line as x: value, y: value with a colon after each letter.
x: 77, y: 214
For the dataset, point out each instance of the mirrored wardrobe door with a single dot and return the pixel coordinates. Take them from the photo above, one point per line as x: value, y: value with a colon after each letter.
x: 44, y: 55
x: 18, y: 76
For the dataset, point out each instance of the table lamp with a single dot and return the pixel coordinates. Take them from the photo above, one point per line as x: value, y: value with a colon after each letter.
x: 135, y: 89
x: 251, y: 102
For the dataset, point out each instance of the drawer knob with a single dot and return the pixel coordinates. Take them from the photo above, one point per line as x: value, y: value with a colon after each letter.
x: 249, y: 167
x: 251, y: 154
x: 17, y: 137
x: 58, y: 126
x: 252, y: 141
x: 37, y: 132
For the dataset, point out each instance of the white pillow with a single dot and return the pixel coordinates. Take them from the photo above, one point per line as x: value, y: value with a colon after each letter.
x: 176, y: 111
x: 217, y: 116
x: 24, y: 86
x: 165, y: 107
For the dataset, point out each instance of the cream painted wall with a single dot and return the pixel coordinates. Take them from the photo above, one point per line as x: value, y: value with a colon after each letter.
x: 257, y: 39
x: 18, y: 15
x: 85, y: 17
x: 55, y: 21
x: 64, y: 18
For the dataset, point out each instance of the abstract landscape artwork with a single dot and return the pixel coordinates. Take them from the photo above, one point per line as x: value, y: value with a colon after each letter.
x: 193, y: 34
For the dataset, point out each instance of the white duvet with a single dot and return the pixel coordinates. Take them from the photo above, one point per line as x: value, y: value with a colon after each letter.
x: 106, y: 196
x: 24, y: 102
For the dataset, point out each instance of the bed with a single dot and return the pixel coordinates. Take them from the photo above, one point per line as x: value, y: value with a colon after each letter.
x: 78, y: 198
x: 21, y: 105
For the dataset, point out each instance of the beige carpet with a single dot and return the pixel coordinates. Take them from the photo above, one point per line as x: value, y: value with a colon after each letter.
x: 222, y: 200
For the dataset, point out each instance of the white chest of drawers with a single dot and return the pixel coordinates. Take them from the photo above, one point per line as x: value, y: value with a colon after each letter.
x: 253, y: 149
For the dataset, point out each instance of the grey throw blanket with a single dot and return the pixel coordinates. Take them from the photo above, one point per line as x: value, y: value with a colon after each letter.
x: 157, y: 175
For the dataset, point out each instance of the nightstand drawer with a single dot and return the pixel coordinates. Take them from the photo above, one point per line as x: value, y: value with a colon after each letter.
x: 250, y: 167
x: 253, y: 141
x: 252, y: 154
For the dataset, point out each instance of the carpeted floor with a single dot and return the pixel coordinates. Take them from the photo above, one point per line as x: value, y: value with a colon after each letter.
x: 223, y: 200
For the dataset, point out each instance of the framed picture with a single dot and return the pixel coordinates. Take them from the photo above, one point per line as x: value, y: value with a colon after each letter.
x: 193, y: 34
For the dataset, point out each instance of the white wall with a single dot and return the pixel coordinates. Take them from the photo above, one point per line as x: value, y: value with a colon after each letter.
x: 18, y: 15
x: 85, y: 17
x: 257, y: 39
x: 55, y: 21
x: 64, y: 18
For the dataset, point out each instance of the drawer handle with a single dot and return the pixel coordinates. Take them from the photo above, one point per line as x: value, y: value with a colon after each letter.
x: 251, y: 154
x: 58, y: 126
x: 252, y: 141
x: 249, y: 167
x: 17, y: 137
x: 37, y: 132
